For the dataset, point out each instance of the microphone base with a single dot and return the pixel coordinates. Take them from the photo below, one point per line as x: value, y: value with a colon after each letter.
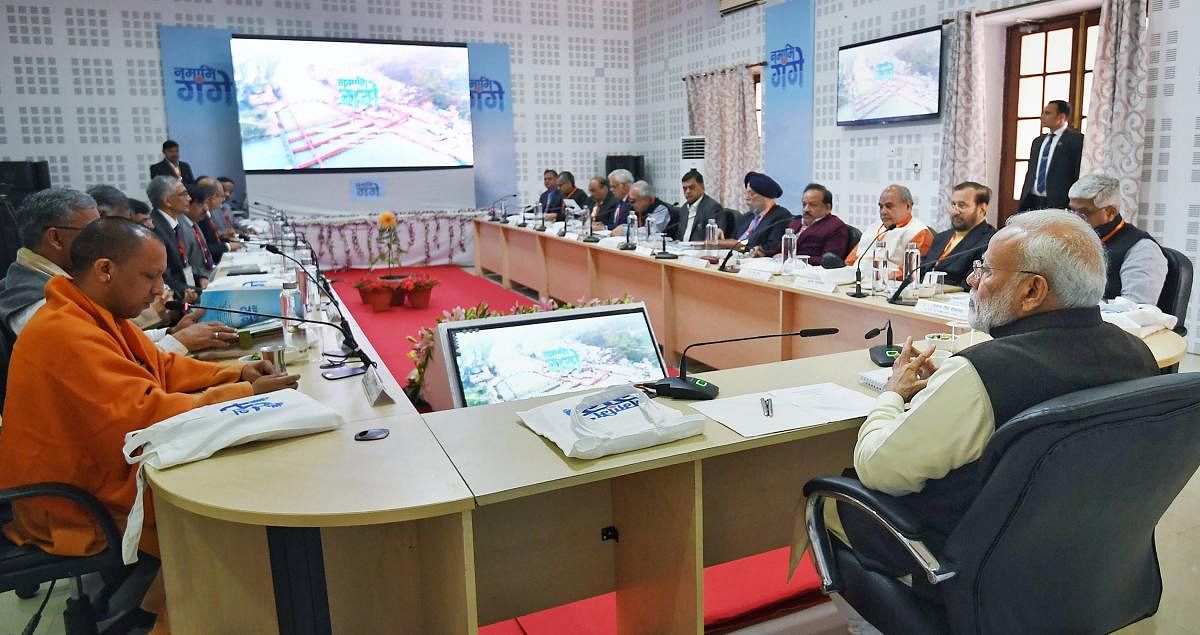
x: 591, y: 238
x: 627, y: 246
x: 540, y: 228
x: 685, y: 388
x: 902, y: 301
x: 522, y: 224
x: 884, y: 356
x: 857, y: 293
x: 664, y: 255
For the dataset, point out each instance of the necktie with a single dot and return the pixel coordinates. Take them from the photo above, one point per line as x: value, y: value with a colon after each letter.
x: 1044, y: 163
x: 179, y: 245
x: 208, y: 261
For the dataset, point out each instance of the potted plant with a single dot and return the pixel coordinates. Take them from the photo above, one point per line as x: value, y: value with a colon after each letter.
x: 419, y: 289
x: 389, y: 253
x: 376, y: 292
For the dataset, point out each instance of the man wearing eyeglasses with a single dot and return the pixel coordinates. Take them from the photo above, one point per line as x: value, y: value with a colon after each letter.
x: 170, y: 200
x: 48, y: 222
x: 1036, y: 291
x: 1137, y: 268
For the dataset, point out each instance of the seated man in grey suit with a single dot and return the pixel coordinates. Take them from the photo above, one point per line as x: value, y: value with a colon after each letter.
x: 698, y: 209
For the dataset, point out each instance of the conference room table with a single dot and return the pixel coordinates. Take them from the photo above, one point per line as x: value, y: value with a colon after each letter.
x: 464, y: 517
x: 689, y: 304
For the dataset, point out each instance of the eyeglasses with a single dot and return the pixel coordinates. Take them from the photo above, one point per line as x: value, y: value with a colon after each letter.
x: 78, y: 229
x: 978, y: 269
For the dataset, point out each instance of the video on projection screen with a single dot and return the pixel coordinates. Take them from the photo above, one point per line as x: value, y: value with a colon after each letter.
x: 895, y: 79
x: 307, y: 105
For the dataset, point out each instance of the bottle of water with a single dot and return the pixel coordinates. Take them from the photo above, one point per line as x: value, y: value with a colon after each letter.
x: 912, y: 266
x: 711, y: 231
x: 631, y: 228
x: 879, y: 267
x: 787, y: 250
x: 289, y: 305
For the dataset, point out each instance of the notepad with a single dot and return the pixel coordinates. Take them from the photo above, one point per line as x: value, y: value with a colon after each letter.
x: 876, y: 379
x: 794, y: 408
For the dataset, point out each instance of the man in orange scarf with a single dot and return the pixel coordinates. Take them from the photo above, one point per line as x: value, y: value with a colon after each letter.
x: 82, y: 376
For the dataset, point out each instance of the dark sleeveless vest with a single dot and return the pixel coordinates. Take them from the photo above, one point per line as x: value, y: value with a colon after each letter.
x: 1116, y: 248
x: 1029, y: 361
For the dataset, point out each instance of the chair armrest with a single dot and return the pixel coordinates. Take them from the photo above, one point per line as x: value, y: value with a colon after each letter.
x: 883, y: 509
x: 72, y: 493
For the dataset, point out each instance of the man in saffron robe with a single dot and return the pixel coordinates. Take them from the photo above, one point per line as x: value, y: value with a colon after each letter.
x: 82, y: 376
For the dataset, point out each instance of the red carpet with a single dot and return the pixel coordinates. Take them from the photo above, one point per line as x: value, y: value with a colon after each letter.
x: 389, y: 331
x: 736, y: 595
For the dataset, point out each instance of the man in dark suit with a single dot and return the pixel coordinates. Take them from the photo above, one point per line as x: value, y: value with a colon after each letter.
x: 604, y: 204
x: 698, y: 209
x: 818, y: 230
x: 171, y: 165
x: 1053, y: 161
x: 764, y: 228
x: 566, y: 187
x: 968, y: 235
x: 170, y: 200
x: 620, y: 181
x: 551, y: 199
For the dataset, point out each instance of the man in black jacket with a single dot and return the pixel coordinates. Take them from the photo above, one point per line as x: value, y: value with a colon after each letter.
x: 1053, y: 161
x: 171, y: 165
x: 968, y: 235
x: 698, y: 208
x: 604, y: 204
x: 765, y: 226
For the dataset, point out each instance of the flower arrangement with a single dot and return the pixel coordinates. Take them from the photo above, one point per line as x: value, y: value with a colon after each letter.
x: 423, y: 342
x: 373, y: 283
x: 389, y: 242
x: 418, y: 282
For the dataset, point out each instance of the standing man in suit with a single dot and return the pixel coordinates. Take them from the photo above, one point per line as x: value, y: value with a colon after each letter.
x: 170, y: 200
x: 1053, y: 161
x: 969, y: 233
x: 698, y: 209
x: 604, y: 204
x: 171, y: 165
x: 764, y: 228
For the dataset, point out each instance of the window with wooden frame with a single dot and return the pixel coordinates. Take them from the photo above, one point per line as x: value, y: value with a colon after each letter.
x: 1048, y: 60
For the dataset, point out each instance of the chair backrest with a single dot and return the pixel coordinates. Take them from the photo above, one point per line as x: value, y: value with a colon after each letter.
x: 852, y: 241
x: 1177, y: 288
x: 1061, y: 537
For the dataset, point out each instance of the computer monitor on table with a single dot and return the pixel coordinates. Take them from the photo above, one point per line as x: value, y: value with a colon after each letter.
x: 493, y: 360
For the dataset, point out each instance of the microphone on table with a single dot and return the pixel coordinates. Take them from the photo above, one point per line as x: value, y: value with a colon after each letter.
x: 895, y: 299
x: 502, y: 220
x: 858, y: 292
x: 885, y: 354
x: 323, y: 284
x: 591, y: 221
x: 767, y: 229
x: 684, y: 387
x: 347, y: 337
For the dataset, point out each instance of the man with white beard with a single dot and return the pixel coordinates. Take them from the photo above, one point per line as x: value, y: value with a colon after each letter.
x: 1036, y: 291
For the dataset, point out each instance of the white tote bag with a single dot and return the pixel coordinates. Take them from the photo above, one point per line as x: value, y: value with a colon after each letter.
x: 198, y: 433
x: 614, y: 420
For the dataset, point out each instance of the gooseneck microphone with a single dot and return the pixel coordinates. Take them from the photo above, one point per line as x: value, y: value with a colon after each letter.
x: 347, y: 337
x: 684, y: 387
x: 885, y: 354
x: 858, y: 292
x: 502, y: 220
x: 908, y: 280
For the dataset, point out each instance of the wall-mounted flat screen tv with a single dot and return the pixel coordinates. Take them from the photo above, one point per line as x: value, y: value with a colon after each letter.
x: 308, y: 104
x: 896, y: 78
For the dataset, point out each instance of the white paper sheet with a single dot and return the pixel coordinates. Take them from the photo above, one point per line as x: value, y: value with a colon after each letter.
x: 795, y: 408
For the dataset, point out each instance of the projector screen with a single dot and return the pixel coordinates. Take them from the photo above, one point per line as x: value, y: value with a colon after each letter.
x: 897, y: 78
x: 351, y: 106
x: 518, y: 357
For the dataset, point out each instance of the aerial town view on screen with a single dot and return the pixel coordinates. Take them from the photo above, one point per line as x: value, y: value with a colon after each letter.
x: 318, y: 105
x: 554, y: 357
x: 890, y: 79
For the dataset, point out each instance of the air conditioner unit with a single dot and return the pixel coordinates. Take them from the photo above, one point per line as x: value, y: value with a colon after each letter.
x: 692, y: 151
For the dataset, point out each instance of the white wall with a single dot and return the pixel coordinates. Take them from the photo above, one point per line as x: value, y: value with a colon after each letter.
x: 80, y: 83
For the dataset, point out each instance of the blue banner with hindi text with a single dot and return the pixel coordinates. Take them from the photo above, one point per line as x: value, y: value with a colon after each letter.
x: 492, y: 123
x: 787, y: 82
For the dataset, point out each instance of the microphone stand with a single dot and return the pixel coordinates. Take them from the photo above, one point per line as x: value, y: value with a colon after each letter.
x: 884, y: 355
x: 591, y: 223
x: 523, y: 223
x: 664, y: 254
x: 929, y: 266
x: 348, y: 348
x: 858, y: 292
x: 541, y: 212
x: 684, y: 387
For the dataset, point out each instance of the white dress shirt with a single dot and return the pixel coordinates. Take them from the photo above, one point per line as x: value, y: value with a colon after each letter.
x: 1143, y: 272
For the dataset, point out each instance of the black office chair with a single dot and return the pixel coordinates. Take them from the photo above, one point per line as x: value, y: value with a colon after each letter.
x: 852, y: 240
x: 1177, y: 288
x: 24, y: 568
x: 1061, y: 536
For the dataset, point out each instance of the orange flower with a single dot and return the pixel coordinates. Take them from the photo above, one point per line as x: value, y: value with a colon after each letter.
x: 387, y: 220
